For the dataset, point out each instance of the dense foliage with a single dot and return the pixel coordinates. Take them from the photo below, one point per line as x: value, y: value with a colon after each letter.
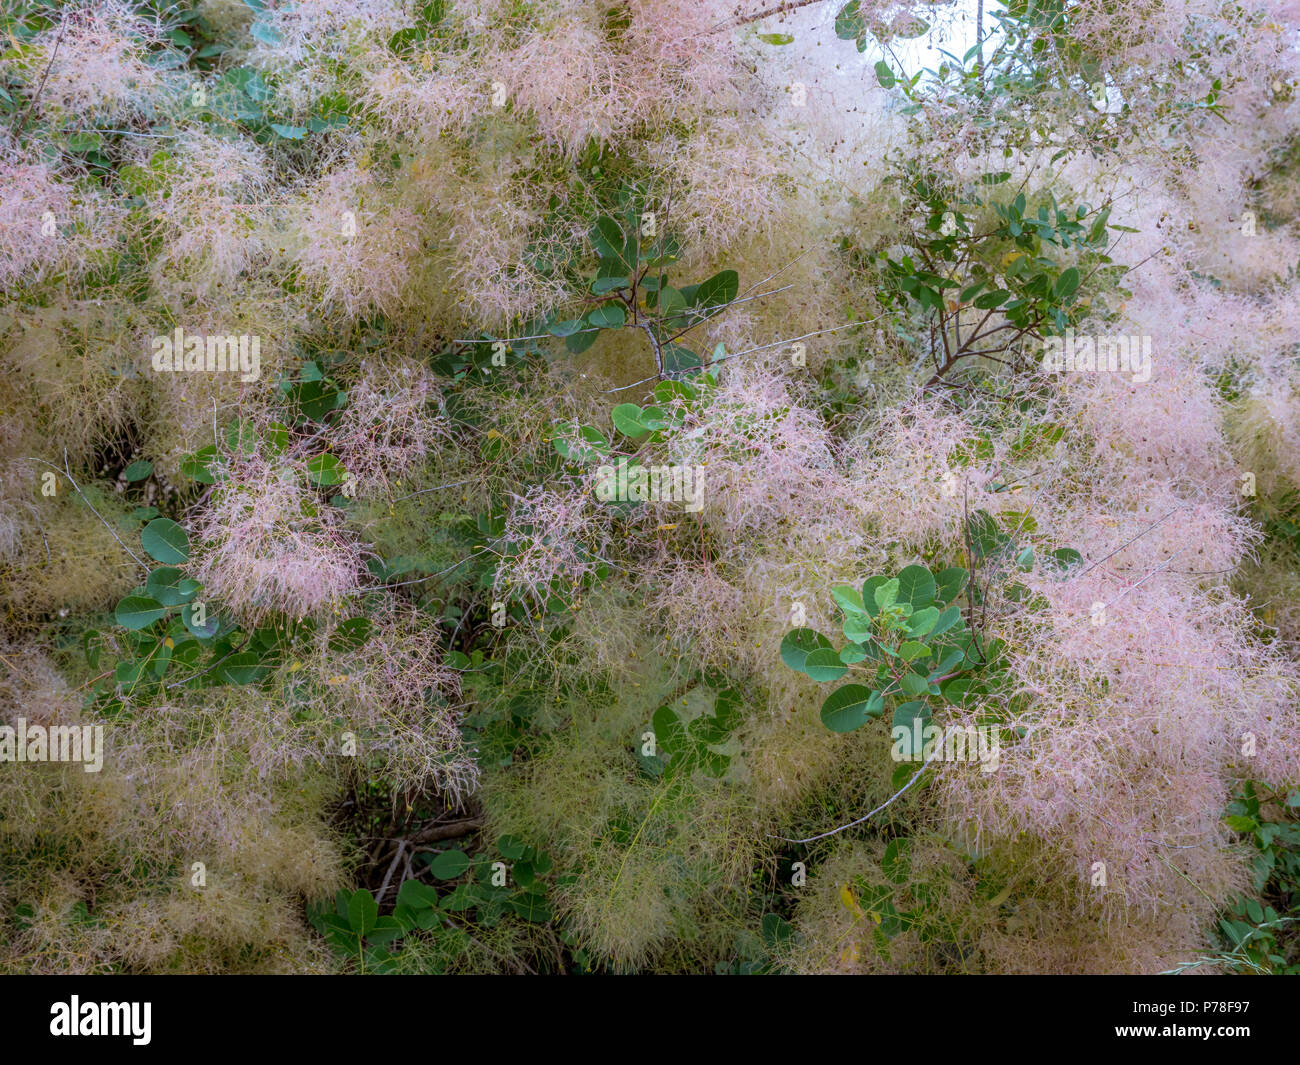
x: 585, y: 486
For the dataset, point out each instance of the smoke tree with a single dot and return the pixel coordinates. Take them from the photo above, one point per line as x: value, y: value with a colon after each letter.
x: 657, y: 486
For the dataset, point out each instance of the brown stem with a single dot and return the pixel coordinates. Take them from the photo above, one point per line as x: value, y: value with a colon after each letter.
x: 778, y: 9
x: 41, y: 87
x: 450, y: 830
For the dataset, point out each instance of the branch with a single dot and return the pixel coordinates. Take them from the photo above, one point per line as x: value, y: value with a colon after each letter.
x: 41, y: 87
x: 915, y: 777
x: 392, y: 868
x: 760, y: 347
x: 67, y: 472
x: 742, y: 20
x: 450, y: 830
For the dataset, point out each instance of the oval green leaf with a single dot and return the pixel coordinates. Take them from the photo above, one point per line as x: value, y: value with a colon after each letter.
x: 850, y: 707
x: 916, y: 587
x: 608, y: 316
x: 799, y: 644
x: 170, y: 586
x: 165, y: 541
x: 449, y: 864
x: 137, y: 612
x: 325, y: 470
x: 824, y: 665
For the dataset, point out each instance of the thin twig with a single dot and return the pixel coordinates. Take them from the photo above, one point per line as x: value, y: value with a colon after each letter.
x: 915, y: 777
x: 435, y: 488
x: 451, y: 830
x: 736, y: 22
x: 1126, y: 543
x: 67, y: 472
x: 41, y: 87
x: 392, y: 868
x: 750, y: 351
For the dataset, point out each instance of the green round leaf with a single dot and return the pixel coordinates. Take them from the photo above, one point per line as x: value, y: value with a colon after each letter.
x: 923, y: 620
x: 680, y: 360
x: 961, y: 691
x: 824, y: 665
x: 949, y: 584
x: 626, y: 418
x: 128, y: 674
x: 165, y: 541
x: 857, y: 627
x: 1066, y: 285
x: 851, y: 22
x: 581, y: 340
x: 522, y: 874
x: 852, y: 652
x: 595, y: 443
x: 137, y: 612
x: 601, y: 285
x: 243, y: 668
x: 667, y: 391
x: 325, y: 470
x: 654, y: 418
x: 170, y: 586
x: 511, y: 847
x: 137, y: 471
x: 776, y: 929
x: 532, y: 907
x: 849, y: 599
x: 449, y: 864
x: 903, y: 773
x: 416, y: 895
x: 799, y: 644
x: 869, y: 594
x: 611, y: 245
x: 911, y: 650
x: 895, y: 861
x: 564, y: 328
x: 850, y: 707
x: 199, y: 465
x: 350, y: 635
x: 990, y: 300
x: 916, y: 587
x: 914, y: 684
x: 907, y: 713
x: 721, y: 288
x: 1064, y: 557
x: 607, y: 316
x: 203, y: 632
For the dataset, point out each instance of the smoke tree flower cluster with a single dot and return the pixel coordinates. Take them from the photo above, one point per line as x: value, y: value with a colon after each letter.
x: 397, y: 674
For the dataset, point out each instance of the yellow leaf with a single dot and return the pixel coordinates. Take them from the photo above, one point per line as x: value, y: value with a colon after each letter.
x: 337, y: 680
x: 850, y: 903
x: 168, y: 642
